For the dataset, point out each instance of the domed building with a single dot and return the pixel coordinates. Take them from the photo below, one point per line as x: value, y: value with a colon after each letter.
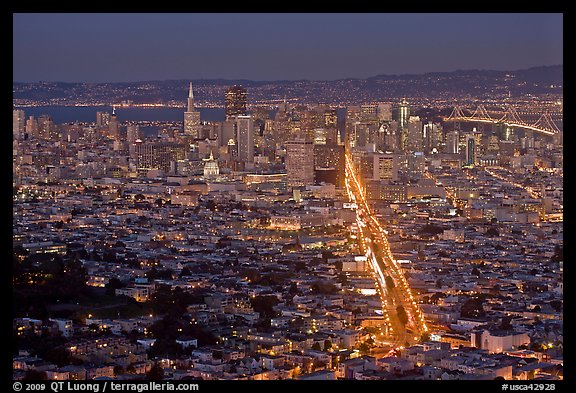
x: 211, y: 169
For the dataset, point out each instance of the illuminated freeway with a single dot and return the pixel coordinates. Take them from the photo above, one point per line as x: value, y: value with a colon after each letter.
x: 392, y: 285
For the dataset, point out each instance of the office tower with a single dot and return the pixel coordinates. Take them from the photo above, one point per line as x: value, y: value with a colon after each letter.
x: 32, y: 127
x: 432, y: 135
x: 157, y: 155
x: 133, y: 133
x: 452, y: 145
x: 102, y: 119
x: 385, y: 167
x: 479, y: 143
x: 329, y: 162
x: 415, y: 140
x: 504, y: 131
x: 368, y: 112
x: 470, y: 150
x: 403, y: 114
x: 226, y: 133
x: 507, y: 148
x: 191, y: 117
x: 384, y: 111
x: 245, y: 138
x: 46, y: 127
x: 330, y: 118
x: 18, y: 123
x: 236, y: 101
x: 300, y: 162
x: 416, y: 164
x: 114, y: 126
x: 364, y: 135
x: 492, y: 146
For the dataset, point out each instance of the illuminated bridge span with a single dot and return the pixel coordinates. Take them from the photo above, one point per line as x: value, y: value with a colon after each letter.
x: 544, y: 124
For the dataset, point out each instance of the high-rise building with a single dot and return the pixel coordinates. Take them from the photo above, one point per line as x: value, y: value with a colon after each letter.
x: 300, y: 162
x: 102, y: 119
x: 191, y: 117
x: 403, y: 114
x: 330, y: 118
x: 416, y: 164
x: 415, y: 137
x: 32, y: 127
x: 114, y: 126
x: 403, y: 118
x: 470, y: 150
x: 385, y: 167
x: 236, y: 104
x: 46, y: 127
x: 432, y: 134
x: 18, y: 123
x: 157, y: 155
x: 133, y: 133
x: 384, y: 111
x: 245, y: 138
x: 452, y: 145
x: 329, y: 161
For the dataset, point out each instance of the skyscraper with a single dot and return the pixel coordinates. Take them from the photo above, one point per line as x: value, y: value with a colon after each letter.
x: 385, y: 167
x: 102, y: 119
x: 470, y: 150
x: 403, y: 114
x: 133, y: 133
x: 236, y: 101
x: 452, y: 146
x: 113, y: 126
x: 18, y: 123
x: 415, y: 137
x: 329, y: 163
x: 432, y: 136
x: 300, y: 162
x: 191, y: 117
x: 245, y: 138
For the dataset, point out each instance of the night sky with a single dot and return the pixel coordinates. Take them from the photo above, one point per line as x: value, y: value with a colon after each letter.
x: 134, y: 47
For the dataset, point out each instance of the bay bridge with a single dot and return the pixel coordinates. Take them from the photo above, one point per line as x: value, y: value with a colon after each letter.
x: 544, y: 125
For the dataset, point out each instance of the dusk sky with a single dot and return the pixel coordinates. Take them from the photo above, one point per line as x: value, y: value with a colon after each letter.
x: 134, y: 47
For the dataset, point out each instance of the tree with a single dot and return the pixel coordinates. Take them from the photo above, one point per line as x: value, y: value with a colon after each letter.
x: 185, y: 272
x: 35, y: 375
x: 264, y: 304
x: 113, y: 285
x: 118, y: 369
x: 558, y: 253
x: 556, y: 305
x: 492, y: 232
x: 293, y: 289
x: 327, y: 345
x: 316, y: 346
x: 506, y: 323
x: 472, y: 308
x: 402, y: 316
x: 389, y: 282
x: 364, y: 348
x: 156, y: 373
x: 210, y: 205
x: 475, y: 272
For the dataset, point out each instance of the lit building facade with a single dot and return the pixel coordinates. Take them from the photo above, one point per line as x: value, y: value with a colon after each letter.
x: 300, y: 162
x: 236, y: 102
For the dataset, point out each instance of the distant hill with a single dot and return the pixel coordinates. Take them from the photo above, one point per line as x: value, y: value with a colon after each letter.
x: 480, y: 84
